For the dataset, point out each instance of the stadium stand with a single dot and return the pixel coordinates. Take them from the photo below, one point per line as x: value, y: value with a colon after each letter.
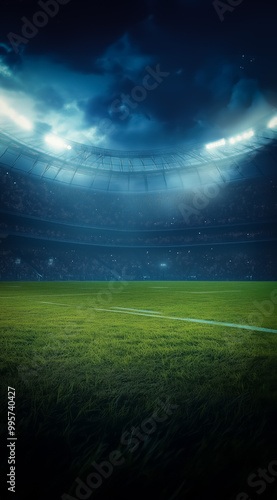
x: 54, y: 230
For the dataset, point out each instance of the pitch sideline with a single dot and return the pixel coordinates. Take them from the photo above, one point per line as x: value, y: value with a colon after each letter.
x: 192, y: 320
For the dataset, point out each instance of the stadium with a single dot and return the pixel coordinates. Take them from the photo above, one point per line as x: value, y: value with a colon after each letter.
x: 138, y: 242
x: 202, y: 213
x: 144, y: 255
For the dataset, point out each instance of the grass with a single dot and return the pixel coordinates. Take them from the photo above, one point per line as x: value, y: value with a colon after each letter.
x: 85, y: 376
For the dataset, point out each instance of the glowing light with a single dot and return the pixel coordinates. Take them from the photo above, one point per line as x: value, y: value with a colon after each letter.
x: 241, y: 137
x: 20, y: 120
x: 56, y: 142
x: 272, y: 123
x: 232, y: 140
x: 216, y: 144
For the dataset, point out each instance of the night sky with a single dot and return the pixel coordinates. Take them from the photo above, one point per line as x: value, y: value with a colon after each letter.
x: 139, y: 75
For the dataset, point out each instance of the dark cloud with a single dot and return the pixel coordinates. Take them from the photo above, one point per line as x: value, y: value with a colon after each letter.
x: 218, y: 71
x: 79, y: 32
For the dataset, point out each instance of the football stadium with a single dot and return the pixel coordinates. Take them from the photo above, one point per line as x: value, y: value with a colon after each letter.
x: 135, y: 285
x: 138, y: 243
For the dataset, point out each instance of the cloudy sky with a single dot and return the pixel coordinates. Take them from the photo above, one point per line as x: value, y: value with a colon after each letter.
x: 139, y: 75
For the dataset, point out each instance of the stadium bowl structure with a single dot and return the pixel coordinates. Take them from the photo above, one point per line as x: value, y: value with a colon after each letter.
x: 138, y: 171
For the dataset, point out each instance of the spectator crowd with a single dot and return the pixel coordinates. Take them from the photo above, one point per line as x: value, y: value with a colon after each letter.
x: 231, y: 203
x: 49, y: 262
x: 53, y: 231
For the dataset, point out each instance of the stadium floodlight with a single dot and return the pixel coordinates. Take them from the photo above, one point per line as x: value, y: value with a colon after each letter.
x: 163, y: 265
x: 56, y: 142
x: 20, y: 120
x: 272, y: 123
x: 216, y: 144
x: 241, y: 137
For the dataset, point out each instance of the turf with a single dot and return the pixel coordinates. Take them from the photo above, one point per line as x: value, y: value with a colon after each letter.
x: 86, y: 372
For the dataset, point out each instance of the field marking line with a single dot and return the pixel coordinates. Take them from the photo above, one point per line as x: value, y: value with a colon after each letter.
x: 187, y: 291
x: 160, y: 287
x: 50, y: 295
x: 46, y: 295
x: 54, y: 303
x: 192, y: 320
x: 214, y: 291
x: 59, y: 294
x: 139, y: 310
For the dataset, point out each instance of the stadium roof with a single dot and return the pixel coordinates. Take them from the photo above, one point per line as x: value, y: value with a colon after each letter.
x: 139, y: 171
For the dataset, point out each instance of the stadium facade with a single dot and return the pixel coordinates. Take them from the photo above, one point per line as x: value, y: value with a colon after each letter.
x: 139, y: 171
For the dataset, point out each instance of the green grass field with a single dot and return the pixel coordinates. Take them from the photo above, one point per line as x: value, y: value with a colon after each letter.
x: 92, y: 362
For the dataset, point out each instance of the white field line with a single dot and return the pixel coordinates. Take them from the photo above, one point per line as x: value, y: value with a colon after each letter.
x: 51, y: 295
x: 232, y: 325
x: 214, y: 291
x: 13, y: 297
x: 55, y: 303
x: 69, y: 294
x: 46, y: 295
x: 139, y: 310
x: 160, y: 287
x: 187, y: 291
x: 102, y: 289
